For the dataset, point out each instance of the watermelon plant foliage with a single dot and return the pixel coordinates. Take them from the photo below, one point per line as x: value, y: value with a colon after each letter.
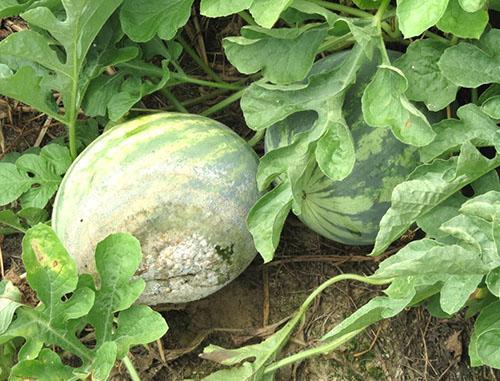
x: 70, y: 304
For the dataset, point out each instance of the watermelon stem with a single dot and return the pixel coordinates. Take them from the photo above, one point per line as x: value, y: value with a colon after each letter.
x: 331, y: 344
x: 343, y: 8
x: 223, y: 104
x: 131, y: 369
x: 174, y: 101
x: 220, y: 85
x: 247, y: 18
x: 313, y: 352
x: 257, y: 138
x: 196, y: 58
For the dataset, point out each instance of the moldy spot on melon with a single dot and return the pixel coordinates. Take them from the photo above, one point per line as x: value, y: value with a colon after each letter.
x: 183, y: 268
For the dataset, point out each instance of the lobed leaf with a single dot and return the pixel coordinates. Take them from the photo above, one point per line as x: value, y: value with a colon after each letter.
x: 385, y: 105
x: 34, y: 178
x: 10, y: 300
x: 69, y: 302
x: 52, y: 55
x: 462, y: 23
x: 428, y: 186
x: 474, y: 126
x: 221, y: 8
x: 141, y: 21
x: 470, y: 65
x: 283, y: 55
x: 472, y: 5
x: 47, y: 367
x: 426, y: 83
x: 267, y: 217
x: 416, y: 16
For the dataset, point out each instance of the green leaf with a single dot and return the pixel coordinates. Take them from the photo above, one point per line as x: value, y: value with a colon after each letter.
x: 385, y: 105
x: 266, y: 13
x: 141, y: 21
x: 8, y: 352
x: 138, y: 325
x: 283, y: 55
x: 58, y: 156
x: 485, y: 206
x: 33, y: 216
x: 485, y: 342
x: 461, y: 272
x: 426, y: 257
x: 69, y: 302
x: 115, y: 95
x: 367, y: 4
x: 34, y: 178
x: 474, y: 126
x: 472, y: 5
x: 117, y: 259
x: 10, y: 8
x: 470, y: 65
x: 47, y: 367
x: 267, y: 217
x: 415, y: 16
x: 40, y: 69
x: 380, y: 307
x: 431, y: 222
x: 426, y: 83
x: 265, y: 105
x: 221, y: 8
x: 10, y: 223
x: 307, y: 9
x: 10, y: 300
x: 52, y: 273
x: 428, y: 186
x: 104, y: 361
x: 43, y: 175
x: 493, y: 281
x: 491, y: 107
x: 13, y: 183
x: 461, y: 23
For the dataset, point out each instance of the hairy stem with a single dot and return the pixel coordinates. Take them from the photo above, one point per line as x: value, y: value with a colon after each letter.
x: 257, y: 138
x: 131, y: 369
x: 223, y: 104
x: 247, y: 17
x: 334, y: 343
x: 196, y: 58
x: 182, y: 78
x: 312, y: 352
x: 437, y: 37
x: 174, y: 101
x: 342, y: 8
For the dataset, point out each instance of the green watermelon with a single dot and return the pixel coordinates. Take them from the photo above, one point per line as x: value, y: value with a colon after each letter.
x: 349, y: 211
x: 182, y: 184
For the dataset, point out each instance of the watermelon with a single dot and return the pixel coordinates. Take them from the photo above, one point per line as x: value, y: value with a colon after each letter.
x: 182, y: 184
x: 349, y: 211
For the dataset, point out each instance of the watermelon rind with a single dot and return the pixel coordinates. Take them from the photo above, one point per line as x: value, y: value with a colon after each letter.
x: 182, y: 184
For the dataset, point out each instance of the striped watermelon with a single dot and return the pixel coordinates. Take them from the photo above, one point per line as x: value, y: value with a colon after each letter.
x: 182, y: 184
x: 349, y: 211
